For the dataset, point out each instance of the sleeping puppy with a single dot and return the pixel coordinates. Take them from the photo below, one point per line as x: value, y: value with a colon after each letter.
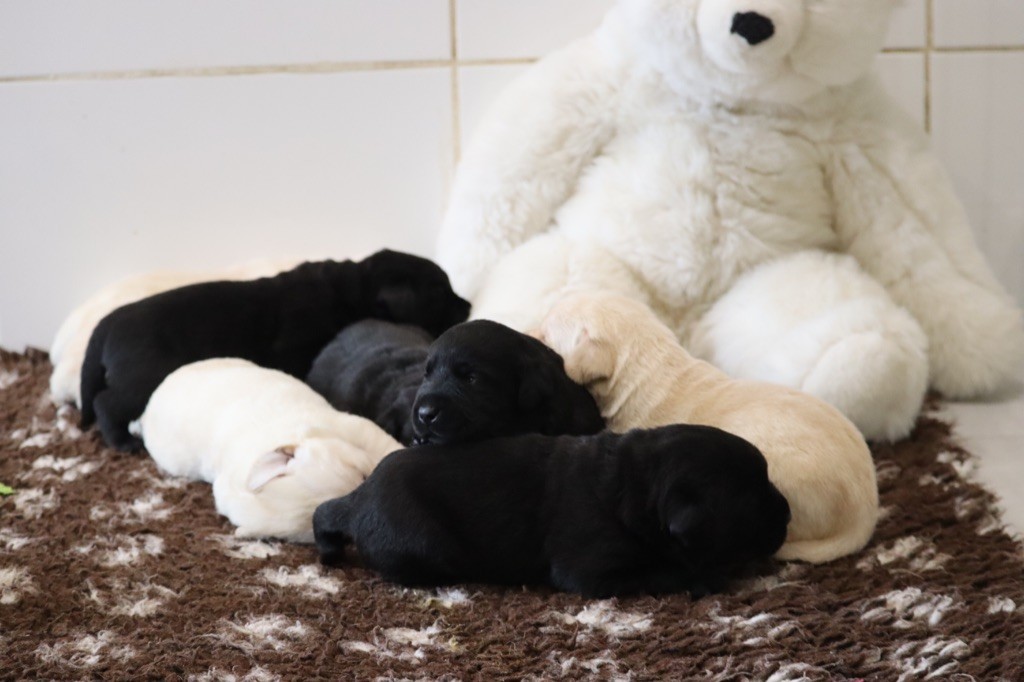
x: 68, y: 348
x: 272, y: 448
x: 279, y: 322
x: 373, y: 368
x: 483, y: 380
x: 643, y: 378
x: 478, y: 380
x: 647, y: 512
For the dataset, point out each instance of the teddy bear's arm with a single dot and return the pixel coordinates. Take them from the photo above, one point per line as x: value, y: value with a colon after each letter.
x: 897, y: 214
x: 525, y: 160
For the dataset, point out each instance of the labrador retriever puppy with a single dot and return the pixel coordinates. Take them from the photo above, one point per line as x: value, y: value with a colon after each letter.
x: 474, y: 388
x: 483, y: 380
x: 373, y: 368
x: 67, y: 351
x: 642, y: 378
x: 272, y: 448
x: 279, y: 322
x: 680, y: 508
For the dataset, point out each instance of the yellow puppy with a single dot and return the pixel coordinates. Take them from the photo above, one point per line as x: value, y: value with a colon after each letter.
x: 642, y: 378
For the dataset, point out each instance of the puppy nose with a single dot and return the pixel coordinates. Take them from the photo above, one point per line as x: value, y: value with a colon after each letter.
x: 753, y: 27
x: 427, y: 414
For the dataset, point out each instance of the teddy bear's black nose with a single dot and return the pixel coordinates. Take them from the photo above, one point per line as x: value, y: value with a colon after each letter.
x: 752, y: 27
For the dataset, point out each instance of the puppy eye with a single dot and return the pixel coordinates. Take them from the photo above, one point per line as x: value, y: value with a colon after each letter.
x: 464, y: 372
x: 429, y: 369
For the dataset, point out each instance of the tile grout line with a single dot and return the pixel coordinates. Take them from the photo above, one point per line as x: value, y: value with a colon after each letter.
x: 397, y: 65
x: 266, y: 69
x: 968, y: 49
x: 220, y: 71
x: 453, y: 26
x: 929, y: 43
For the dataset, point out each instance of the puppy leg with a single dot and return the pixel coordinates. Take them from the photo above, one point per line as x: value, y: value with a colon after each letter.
x: 423, y: 557
x: 332, y: 529
x: 818, y: 323
x: 113, y: 414
x: 64, y: 383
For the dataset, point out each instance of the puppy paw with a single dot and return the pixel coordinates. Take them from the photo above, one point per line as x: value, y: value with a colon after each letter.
x: 333, y: 559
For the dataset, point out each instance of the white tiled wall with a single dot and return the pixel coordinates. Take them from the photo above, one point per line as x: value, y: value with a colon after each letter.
x: 61, y: 37
x: 978, y: 23
x: 137, y: 134
x: 500, y: 29
x: 978, y: 125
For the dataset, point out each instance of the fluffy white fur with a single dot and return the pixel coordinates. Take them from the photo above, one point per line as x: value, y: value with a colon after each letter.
x: 705, y: 165
x: 68, y: 348
x: 272, y: 447
x: 846, y: 344
x: 543, y: 270
x: 642, y: 378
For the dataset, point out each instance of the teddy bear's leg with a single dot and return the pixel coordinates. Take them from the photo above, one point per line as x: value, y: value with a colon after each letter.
x: 898, y: 215
x: 817, y: 322
x: 515, y: 290
x: 524, y: 284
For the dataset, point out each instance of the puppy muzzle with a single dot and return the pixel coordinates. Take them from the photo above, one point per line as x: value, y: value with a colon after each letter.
x: 435, y: 420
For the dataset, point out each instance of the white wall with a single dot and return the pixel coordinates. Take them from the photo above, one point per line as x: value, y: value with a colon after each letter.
x: 137, y: 134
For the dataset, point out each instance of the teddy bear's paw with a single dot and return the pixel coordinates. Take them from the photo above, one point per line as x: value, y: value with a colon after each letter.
x: 980, y: 356
x: 877, y: 380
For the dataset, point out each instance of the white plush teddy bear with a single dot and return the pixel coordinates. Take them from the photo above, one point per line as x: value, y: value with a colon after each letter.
x: 736, y: 165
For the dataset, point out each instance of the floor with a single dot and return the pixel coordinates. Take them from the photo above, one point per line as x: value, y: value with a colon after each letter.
x: 994, y: 431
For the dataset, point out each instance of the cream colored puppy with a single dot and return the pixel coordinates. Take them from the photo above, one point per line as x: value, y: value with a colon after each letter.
x: 272, y: 447
x: 642, y: 378
x: 68, y: 348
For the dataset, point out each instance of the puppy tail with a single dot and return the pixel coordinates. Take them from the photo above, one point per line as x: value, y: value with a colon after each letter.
x: 826, y: 549
x: 332, y: 530
x: 94, y: 375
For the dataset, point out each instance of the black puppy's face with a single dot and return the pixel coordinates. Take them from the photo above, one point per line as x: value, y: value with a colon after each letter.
x: 484, y: 380
x: 403, y: 288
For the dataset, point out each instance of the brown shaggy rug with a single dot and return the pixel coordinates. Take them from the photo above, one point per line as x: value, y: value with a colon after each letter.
x: 110, y: 570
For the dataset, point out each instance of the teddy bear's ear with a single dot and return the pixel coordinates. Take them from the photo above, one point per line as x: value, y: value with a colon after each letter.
x: 268, y: 466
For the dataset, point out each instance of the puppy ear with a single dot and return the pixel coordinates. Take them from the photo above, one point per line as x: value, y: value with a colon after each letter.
x: 268, y: 466
x: 587, y: 359
x: 685, y: 525
x: 537, y: 386
x: 394, y: 302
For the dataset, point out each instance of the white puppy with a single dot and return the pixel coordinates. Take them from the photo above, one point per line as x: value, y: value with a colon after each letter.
x: 642, y: 378
x: 272, y: 447
x: 68, y: 348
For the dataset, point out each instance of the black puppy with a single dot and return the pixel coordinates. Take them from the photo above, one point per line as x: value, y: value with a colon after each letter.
x: 279, y: 322
x: 484, y: 380
x: 663, y: 510
x: 478, y: 380
x: 373, y: 369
